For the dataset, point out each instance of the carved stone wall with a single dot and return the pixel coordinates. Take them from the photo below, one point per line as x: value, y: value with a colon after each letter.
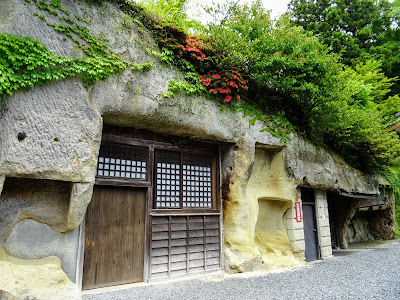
x: 49, y: 142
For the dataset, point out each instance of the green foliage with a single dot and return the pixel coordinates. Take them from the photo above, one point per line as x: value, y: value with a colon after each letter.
x: 176, y: 86
x: 277, y: 125
x: 166, y: 9
x: 294, y: 75
x: 147, y: 66
x: 172, y: 12
x: 393, y: 176
x: 358, y: 29
x: 235, y: 29
x: 25, y: 62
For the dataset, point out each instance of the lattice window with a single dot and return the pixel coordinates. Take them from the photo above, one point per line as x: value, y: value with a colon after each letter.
x: 196, y: 175
x: 122, y: 161
x: 183, y: 180
x: 168, y: 172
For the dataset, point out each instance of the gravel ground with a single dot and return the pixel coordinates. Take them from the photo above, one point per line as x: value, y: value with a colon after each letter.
x: 373, y: 274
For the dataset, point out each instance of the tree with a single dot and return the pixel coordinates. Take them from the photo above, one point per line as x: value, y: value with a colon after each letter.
x: 358, y: 30
x: 293, y: 74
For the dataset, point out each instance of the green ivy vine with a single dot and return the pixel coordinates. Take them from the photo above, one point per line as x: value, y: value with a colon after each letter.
x: 25, y: 62
x: 392, y: 175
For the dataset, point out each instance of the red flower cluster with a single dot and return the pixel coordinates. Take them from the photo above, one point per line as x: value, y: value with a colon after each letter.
x: 192, y: 46
x: 228, y: 83
x: 196, y: 46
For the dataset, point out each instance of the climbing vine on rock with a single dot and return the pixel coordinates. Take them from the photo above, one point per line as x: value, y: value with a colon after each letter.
x: 25, y: 62
x: 393, y: 176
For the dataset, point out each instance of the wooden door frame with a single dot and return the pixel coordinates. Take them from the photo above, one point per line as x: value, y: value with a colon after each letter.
x: 148, y: 184
x: 147, y: 236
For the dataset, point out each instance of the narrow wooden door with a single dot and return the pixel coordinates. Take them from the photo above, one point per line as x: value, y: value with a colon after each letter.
x: 310, y: 232
x: 114, y: 237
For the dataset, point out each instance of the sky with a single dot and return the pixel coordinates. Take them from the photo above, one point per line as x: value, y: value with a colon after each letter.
x: 277, y: 7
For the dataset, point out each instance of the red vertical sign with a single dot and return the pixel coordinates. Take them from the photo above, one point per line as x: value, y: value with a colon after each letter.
x: 298, y: 211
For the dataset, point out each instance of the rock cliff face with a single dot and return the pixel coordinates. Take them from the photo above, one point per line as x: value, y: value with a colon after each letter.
x: 50, y: 138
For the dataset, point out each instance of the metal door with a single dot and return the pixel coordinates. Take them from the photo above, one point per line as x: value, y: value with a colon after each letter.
x: 310, y: 232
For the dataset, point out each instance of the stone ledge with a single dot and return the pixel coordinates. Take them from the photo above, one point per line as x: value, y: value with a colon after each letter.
x: 40, y: 279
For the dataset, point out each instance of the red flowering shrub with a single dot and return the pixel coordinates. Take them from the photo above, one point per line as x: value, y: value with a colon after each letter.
x: 193, y: 47
x: 227, y: 84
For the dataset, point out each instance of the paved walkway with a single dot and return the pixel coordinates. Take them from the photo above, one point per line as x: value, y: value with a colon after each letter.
x: 367, y: 274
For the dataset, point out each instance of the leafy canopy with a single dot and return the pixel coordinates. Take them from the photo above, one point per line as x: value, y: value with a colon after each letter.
x: 357, y: 29
x: 295, y: 75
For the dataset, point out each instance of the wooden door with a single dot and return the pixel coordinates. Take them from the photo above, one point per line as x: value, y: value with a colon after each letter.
x: 114, y: 237
x: 310, y: 232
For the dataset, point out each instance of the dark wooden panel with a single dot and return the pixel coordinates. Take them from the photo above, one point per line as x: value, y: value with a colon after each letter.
x: 196, y: 241
x: 175, y: 220
x: 196, y: 248
x: 212, y: 253
x: 159, y: 252
x: 212, y: 225
x: 179, y: 242
x: 196, y: 233
x: 212, y: 232
x: 212, y: 247
x: 159, y: 244
x: 196, y: 263
x: 213, y: 261
x: 159, y: 268
x: 196, y: 226
x: 181, y: 265
x: 185, y: 251
x: 212, y: 239
x: 178, y: 250
x: 160, y: 227
x: 160, y: 220
x: 159, y: 260
x: 178, y: 226
x: 178, y: 257
x: 178, y: 234
x: 159, y: 236
x: 178, y: 273
x: 197, y: 270
x: 114, y: 242
x: 196, y: 255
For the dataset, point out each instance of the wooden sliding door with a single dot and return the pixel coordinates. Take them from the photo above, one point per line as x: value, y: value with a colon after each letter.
x: 114, y: 237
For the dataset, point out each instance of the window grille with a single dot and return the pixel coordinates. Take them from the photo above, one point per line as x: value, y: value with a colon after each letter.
x: 168, y: 171
x: 183, y: 180
x: 122, y: 161
x: 196, y: 181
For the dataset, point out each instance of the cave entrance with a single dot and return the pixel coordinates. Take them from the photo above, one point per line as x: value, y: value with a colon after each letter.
x: 356, y: 218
